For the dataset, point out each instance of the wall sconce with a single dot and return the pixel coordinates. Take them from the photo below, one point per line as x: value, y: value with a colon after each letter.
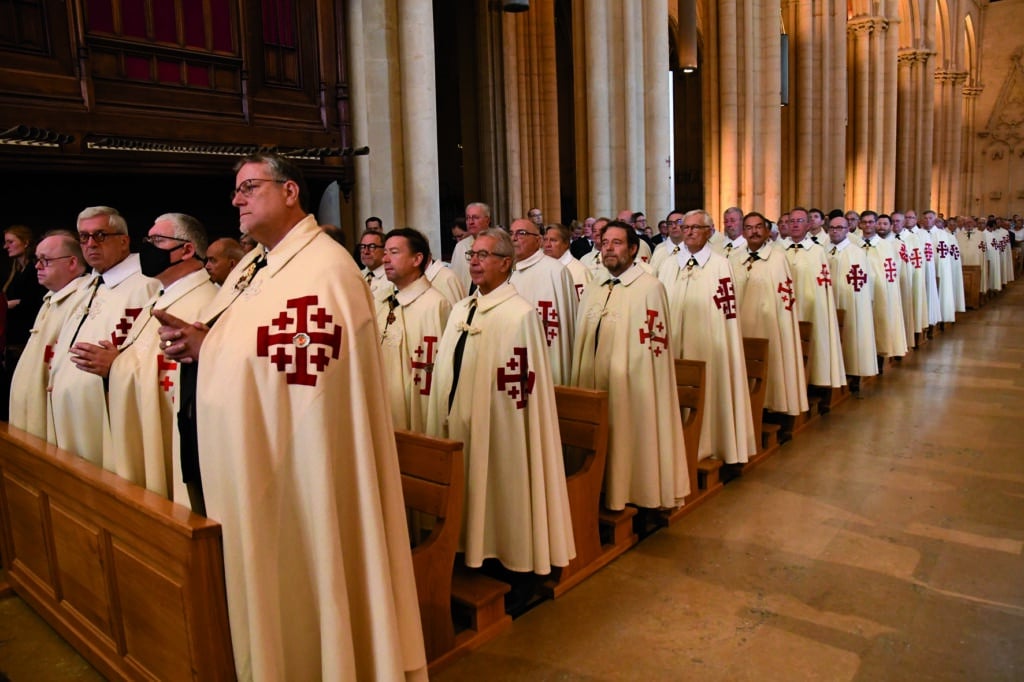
x: 515, y: 5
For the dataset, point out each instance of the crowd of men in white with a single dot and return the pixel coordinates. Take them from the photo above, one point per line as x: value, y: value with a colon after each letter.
x: 472, y: 352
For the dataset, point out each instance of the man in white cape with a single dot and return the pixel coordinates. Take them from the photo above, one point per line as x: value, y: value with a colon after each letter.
x: 854, y: 295
x: 117, y: 293
x: 623, y: 346
x: 494, y: 392
x: 556, y: 245
x: 915, y: 260
x: 445, y: 281
x: 971, y: 242
x: 890, y: 336
x: 705, y: 326
x: 141, y: 444
x: 298, y: 460
x: 815, y: 303
x: 411, y: 321
x: 547, y: 284
x: 478, y: 219
x: 942, y: 243
x: 60, y: 268
x: 767, y: 305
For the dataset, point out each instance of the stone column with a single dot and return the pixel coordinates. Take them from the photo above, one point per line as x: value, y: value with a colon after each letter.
x: 948, y: 139
x: 657, y: 154
x: 915, y: 125
x: 969, y: 188
x: 871, y: 137
x: 419, y: 120
x: 595, y: 106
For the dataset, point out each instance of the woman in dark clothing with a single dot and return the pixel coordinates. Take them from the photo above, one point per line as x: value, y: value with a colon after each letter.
x: 24, y: 296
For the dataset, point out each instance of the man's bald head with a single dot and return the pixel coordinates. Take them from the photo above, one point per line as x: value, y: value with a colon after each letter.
x: 221, y: 258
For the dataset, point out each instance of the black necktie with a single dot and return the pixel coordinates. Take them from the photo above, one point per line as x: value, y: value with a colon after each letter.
x: 792, y: 246
x: 392, y: 304
x: 597, y: 332
x: 751, y: 258
x: 88, y: 306
x: 460, y: 348
x: 814, y: 239
x: 691, y: 264
x: 833, y: 252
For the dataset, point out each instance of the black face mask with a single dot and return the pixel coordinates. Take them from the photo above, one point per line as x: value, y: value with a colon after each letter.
x: 155, y: 260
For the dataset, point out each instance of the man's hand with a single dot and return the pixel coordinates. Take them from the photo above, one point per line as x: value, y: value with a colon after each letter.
x: 180, y: 340
x: 92, y: 358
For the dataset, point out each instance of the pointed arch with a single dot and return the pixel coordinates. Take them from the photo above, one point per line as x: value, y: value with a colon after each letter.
x: 945, y: 44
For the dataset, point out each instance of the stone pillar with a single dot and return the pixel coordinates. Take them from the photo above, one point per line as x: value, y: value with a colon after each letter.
x: 871, y: 137
x: 969, y: 188
x: 419, y: 120
x: 915, y: 110
x: 657, y: 200
x: 594, y: 105
x: 741, y: 110
x: 948, y: 139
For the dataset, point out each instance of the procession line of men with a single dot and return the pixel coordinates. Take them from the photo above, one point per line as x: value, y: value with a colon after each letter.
x: 328, y: 360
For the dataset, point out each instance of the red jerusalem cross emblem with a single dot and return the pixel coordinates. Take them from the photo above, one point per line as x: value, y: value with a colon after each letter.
x: 982, y: 247
x: 517, y: 383
x: 549, y: 318
x: 124, y: 325
x: 955, y: 250
x: 725, y: 298
x: 915, y: 259
x: 903, y: 253
x: 856, y: 277
x: 422, y: 362
x: 929, y: 252
x: 48, y: 354
x: 655, y: 332
x: 943, y: 249
x: 786, y: 293
x: 824, y: 277
x: 164, y: 367
x: 294, y: 346
x: 890, y: 270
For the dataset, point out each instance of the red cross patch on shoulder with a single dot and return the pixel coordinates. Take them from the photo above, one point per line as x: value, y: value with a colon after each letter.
x: 300, y: 341
x: 517, y: 382
x: 124, y: 325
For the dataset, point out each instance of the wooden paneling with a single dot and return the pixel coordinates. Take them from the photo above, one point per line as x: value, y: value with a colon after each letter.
x: 138, y: 582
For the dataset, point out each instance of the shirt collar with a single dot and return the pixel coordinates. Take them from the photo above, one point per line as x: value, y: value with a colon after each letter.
x: 631, y: 274
x: 122, y: 271
x: 413, y: 291
x: 702, y: 257
x: 533, y: 259
x: 842, y: 245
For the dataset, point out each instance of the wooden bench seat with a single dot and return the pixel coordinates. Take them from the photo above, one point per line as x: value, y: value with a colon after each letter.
x: 972, y: 287
x: 704, y: 475
x: 131, y: 580
x: 755, y: 352
x: 583, y: 423
x: 433, y: 484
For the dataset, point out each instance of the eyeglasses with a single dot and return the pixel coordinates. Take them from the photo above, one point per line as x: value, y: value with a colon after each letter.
x: 524, y: 233
x: 693, y: 227
x: 158, y: 239
x: 98, y: 237
x: 481, y: 254
x: 798, y: 221
x: 370, y: 247
x: 247, y: 187
x: 44, y: 262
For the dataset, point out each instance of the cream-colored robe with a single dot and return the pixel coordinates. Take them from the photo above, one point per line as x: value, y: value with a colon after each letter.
x: 995, y: 261
x: 77, y: 416
x: 32, y: 375
x: 662, y: 252
x: 517, y: 503
x: 299, y: 466
x: 706, y: 326
x: 445, y: 281
x: 957, y: 267
x: 906, y: 281
x: 943, y: 244
x: 854, y: 294
x: 460, y: 266
x: 409, y: 346
x: 767, y: 305
x: 581, y: 275
x: 930, y: 275
x: 632, y: 359
x: 890, y: 336
x: 972, y: 252
x: 816, y: 303
x: 547, y: 284
x: 140, y: 443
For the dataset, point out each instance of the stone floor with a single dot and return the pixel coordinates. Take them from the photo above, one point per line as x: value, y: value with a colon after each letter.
x: 885, y: 542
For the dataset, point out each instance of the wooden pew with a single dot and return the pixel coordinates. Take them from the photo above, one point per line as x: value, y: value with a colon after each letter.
x: 583, y: 423
x: 755, y: 351
x: 433, y: 484
x: 131, y: 580
x: 789, y: 424
x: 704, y: 476
x: 972, y: 286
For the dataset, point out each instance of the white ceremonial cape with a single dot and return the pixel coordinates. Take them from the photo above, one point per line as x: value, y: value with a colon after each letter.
x: 890, y: 335
x: 727, y: 247
x: 957, y: 267
x: 972, y: 252
x: 854, y: 294
x: 995, y: 261
x: 1002, y: 242
x: 595, y: 263
x: 816, y: 303
x: 943, y: 243
x: 32, y: 375
x: 547, y: 284
x: 141, y: 444
x: 920, y: 287
x: 380, y: 286
x: 581, y: 274
x: 77, y: 416
x: 444, y: 280
x: 299, y: 466
x: 409, y: 345
x: 767, y: 306
x: 663, y: 251
x: 517, y: 503
x: 906, y: 281
x: 631, y: 358
x: 460, y: 266
x: 705, y: 326
x: 930, y: 275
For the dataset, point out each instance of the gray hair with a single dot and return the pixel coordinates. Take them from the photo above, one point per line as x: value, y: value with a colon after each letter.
x: 705, y: 218
x: 502, y: 242
x: 482, y: 206
x: 187, y: 227
x: 114, y: 219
